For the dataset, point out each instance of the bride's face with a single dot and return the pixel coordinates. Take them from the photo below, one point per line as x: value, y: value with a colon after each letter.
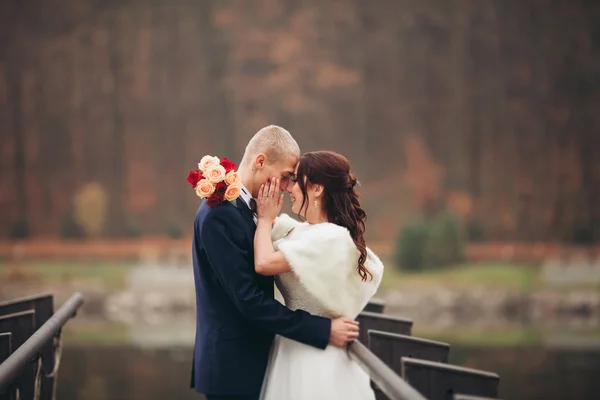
x: 296, y: 195
x: 295, y: 192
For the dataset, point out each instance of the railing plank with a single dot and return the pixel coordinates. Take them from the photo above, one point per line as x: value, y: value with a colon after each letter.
x: 379, y: 322
x: 375, y: 305
x: 22, y: 326
x: 438, y: 381
x: 391, y: 347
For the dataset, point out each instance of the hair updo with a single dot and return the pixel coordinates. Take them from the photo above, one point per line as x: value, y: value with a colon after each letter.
x: 340, y: 199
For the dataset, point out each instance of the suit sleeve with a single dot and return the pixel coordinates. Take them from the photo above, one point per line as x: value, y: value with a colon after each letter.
x: 228, y: 258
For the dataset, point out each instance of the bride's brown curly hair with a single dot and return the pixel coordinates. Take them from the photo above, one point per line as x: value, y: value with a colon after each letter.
x: 340, y: 199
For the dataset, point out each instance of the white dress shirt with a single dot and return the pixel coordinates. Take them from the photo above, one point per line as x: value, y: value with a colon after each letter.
x: 246, y: 197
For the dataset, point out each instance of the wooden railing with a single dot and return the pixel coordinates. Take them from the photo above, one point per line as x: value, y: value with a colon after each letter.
x: 403, y: 367
x: 394, y: 387
x: 30, y: 345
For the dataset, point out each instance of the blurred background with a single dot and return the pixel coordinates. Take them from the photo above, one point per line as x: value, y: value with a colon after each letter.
x: 473, y: 127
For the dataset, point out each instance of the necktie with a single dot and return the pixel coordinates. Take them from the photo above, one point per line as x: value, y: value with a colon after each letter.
x: 253, y: 206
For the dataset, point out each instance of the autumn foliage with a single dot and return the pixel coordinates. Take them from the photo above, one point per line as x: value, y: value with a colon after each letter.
x: 486, y: 109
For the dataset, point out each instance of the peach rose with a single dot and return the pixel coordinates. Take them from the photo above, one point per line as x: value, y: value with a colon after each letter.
x: 215, y: 173
x: 233, y: 191
x: 232, y: 177
x: 205, y: 188
x: 208, y: 161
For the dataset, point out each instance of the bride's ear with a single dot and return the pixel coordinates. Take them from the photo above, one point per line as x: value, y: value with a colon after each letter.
x: 318, y: 190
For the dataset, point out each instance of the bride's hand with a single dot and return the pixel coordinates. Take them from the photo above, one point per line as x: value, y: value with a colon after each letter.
x: 269, y: 202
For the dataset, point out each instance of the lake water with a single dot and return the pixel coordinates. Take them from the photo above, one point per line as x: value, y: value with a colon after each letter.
x: 126, y: 364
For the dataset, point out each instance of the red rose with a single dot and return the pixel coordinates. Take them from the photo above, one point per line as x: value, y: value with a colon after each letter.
x: 194, y: 177
x: 218, y: 196
x: 220, y: 189
x: 228, y: 165
x: 214, y: 200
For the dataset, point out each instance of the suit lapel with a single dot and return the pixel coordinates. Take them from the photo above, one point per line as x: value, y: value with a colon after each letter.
x: 246, y: 212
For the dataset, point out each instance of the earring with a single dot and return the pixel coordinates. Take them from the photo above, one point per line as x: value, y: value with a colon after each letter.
x: 316, y: 205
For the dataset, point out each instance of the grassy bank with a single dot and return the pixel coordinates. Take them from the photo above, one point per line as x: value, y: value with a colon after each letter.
x: 501, y: 337
x: 102, y: 333
x: 112, y: 275
x: 498, y: 275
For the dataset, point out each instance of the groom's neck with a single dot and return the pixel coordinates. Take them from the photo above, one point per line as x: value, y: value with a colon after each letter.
x: 247, y: 180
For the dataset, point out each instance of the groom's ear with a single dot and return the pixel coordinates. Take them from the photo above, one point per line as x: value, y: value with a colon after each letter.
x: 259, y: 161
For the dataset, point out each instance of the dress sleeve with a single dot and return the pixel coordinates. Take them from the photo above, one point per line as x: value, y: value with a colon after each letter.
x: 283, y: 226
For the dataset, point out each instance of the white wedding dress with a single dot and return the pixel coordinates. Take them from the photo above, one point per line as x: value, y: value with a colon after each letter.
x: 324, y: 282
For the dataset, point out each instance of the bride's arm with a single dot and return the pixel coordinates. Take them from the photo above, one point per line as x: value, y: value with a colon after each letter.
x: 267, y: 261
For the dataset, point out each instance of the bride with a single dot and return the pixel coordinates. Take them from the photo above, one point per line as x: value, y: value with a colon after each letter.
x: 322, y: 266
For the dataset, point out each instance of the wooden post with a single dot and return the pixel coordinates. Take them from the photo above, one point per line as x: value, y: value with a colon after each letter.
x: 374, y: 321
x: 438, y: 381
x: 375, y: 305
x: 391, y: 348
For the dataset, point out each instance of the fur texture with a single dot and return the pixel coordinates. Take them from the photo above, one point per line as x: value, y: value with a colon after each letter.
x: 325, y: 259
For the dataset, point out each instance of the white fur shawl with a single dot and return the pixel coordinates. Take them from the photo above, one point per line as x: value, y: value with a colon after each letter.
x: 325, y: 258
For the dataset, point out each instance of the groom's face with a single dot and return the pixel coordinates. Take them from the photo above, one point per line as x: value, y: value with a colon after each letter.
x: 283, y: 169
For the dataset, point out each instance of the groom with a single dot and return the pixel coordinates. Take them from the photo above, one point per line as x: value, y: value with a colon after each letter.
x: 237, y: 315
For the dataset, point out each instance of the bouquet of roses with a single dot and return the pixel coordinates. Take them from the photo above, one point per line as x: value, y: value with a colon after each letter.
x: 215, y: 180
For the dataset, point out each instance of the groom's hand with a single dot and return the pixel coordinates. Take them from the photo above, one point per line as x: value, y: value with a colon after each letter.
x: 343, y: 331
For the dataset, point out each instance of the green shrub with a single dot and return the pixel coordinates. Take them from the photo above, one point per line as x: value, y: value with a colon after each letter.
x: 583, y: 235
x: 431, y: 243
x: 475, y: 232
x: 409, y: 247
x: 19, y: 229
x: 444, y: 243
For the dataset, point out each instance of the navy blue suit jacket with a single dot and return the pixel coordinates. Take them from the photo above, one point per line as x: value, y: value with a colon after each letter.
x: 237, y: 315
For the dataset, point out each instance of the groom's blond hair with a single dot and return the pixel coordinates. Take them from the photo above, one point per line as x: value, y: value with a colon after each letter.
x: 274, y: 142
